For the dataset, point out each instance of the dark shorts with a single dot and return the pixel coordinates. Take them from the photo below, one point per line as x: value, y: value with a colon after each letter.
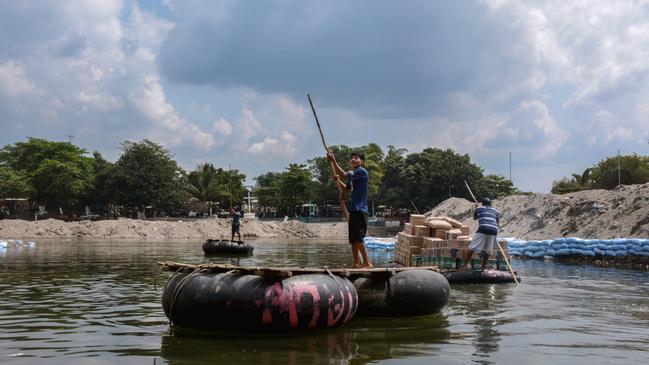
x: 357, y: 226
x: 235, y: 228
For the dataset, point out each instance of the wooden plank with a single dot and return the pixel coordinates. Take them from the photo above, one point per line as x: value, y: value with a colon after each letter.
x: 290, y: 271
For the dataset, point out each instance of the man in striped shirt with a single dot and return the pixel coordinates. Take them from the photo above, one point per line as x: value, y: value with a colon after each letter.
x: 484, y: 239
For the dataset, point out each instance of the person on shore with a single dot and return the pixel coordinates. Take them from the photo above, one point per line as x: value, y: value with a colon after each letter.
x: 236, y: 222
x: 484, y: 239
x: 357, y: 182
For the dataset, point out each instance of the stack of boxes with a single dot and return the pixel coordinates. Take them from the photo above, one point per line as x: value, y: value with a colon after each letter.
x: 442, y: 242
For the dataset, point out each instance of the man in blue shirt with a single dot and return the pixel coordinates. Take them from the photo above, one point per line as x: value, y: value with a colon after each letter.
x: 357, y: 182
x: 484, y: 239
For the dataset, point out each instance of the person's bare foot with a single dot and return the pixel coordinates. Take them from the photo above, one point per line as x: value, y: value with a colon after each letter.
x: 462, y: 268
x: 368, y: 265
x: 356, y: 266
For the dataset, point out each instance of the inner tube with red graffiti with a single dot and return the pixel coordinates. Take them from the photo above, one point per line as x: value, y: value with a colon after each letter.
x: 241, y: 302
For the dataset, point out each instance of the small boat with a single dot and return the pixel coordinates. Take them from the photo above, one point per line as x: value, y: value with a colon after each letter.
x: 480, y: 277
x: 211, y: 247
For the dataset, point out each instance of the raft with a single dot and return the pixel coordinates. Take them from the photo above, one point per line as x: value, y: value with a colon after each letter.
x: 406, y: 293
x: 243, y: 302
x: 480, y: 277
x: 268, y: 299
x: 211, y: 247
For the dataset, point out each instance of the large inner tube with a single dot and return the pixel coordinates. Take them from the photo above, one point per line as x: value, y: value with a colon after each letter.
x: 227, y: 247
x: 407, y: 293
x: 233, y: 301
x: 480, y: 277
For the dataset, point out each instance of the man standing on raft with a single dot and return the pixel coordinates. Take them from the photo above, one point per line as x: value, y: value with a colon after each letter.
x: 357, y: 182
x: 484, y: 239
x: 236, y: 222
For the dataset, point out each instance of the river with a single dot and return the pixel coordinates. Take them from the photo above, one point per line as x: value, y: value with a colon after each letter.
x: 95, y: 302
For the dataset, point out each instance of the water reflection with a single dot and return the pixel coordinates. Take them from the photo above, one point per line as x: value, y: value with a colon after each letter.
x: 365, y: 341
x: 78, y: 302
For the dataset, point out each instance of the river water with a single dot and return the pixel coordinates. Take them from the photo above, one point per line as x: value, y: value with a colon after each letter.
x: 95, y: 302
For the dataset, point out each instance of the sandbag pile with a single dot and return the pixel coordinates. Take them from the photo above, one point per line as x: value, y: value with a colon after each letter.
x: 573, y: 246
x: 435, y: 241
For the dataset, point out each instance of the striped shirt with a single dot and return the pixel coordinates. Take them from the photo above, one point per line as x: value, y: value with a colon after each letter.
x: 488, y: 218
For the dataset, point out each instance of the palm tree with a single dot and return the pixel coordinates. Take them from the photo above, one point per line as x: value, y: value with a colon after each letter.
x: 204, y: 185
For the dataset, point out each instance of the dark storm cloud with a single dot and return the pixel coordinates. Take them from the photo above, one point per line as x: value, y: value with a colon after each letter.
x: 373, y: 57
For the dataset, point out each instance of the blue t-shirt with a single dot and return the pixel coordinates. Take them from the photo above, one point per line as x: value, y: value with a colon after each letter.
x: 488, y: 218
x: 236, y: 216
x: 358, y: 179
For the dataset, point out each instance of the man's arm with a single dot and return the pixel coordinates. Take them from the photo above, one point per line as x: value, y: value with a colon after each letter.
x: 338, y: 170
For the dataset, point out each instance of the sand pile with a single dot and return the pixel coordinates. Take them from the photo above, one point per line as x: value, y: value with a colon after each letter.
x: 622, y: 212
x: 158, y: 230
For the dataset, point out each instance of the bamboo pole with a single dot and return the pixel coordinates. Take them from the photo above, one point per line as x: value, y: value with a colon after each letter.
x: 341, y: 193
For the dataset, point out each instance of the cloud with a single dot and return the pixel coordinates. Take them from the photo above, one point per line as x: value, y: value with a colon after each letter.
x: 529, y: 127
x: 272, y: 147
x: 13, y: 81
x: 228, y: 79
x: 168, y: 126
x: 223, y: 127
x: 87, y: 67
x: 390, y: 59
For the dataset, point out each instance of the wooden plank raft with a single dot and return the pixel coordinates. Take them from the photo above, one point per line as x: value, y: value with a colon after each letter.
x: 289, y: 271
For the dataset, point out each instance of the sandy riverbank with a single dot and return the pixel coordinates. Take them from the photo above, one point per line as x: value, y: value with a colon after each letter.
x: 603, y: 214
x: 159, y: 230
x: 621, y: 212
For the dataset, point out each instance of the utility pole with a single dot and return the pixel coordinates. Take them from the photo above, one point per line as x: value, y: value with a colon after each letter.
x: 230, y: 184
x: 618, y: 168
x: 510, y: 166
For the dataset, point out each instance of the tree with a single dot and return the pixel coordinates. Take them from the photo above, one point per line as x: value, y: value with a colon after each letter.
x: 58, y: 172
x: 633, y: 169
x: 100, y: 195
x: 391, y: 191
x: 496, y: 186
x: 294, y: 186
x: 576, y: 182
x: 61, y: 183
x: 146, y: 174
x: 567, y: 185
x: 13, y: 184
x: 231, y: 182
x: 434, y: 174
x: 267, y: 189
x: 203, y: 185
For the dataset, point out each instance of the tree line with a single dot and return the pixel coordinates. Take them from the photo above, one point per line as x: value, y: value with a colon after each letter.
x: 60, y: 174
x: 606, y: 174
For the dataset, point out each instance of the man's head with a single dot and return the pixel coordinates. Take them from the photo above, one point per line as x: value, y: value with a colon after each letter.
x: 357, y: 158
x: 236, y: 207
x: 486, y: 202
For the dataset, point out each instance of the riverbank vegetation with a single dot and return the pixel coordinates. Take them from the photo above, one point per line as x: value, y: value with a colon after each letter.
x: 606, y: 174
x: 145, y: 176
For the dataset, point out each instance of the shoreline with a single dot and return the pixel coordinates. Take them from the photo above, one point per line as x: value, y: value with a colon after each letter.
x: 160, y: 230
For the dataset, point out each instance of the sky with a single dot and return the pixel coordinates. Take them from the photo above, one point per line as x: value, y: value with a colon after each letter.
x: 556, y: 85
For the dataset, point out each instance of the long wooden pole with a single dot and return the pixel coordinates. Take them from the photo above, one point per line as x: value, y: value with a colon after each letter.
x: 341, y: 193
x: 497, y: 243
